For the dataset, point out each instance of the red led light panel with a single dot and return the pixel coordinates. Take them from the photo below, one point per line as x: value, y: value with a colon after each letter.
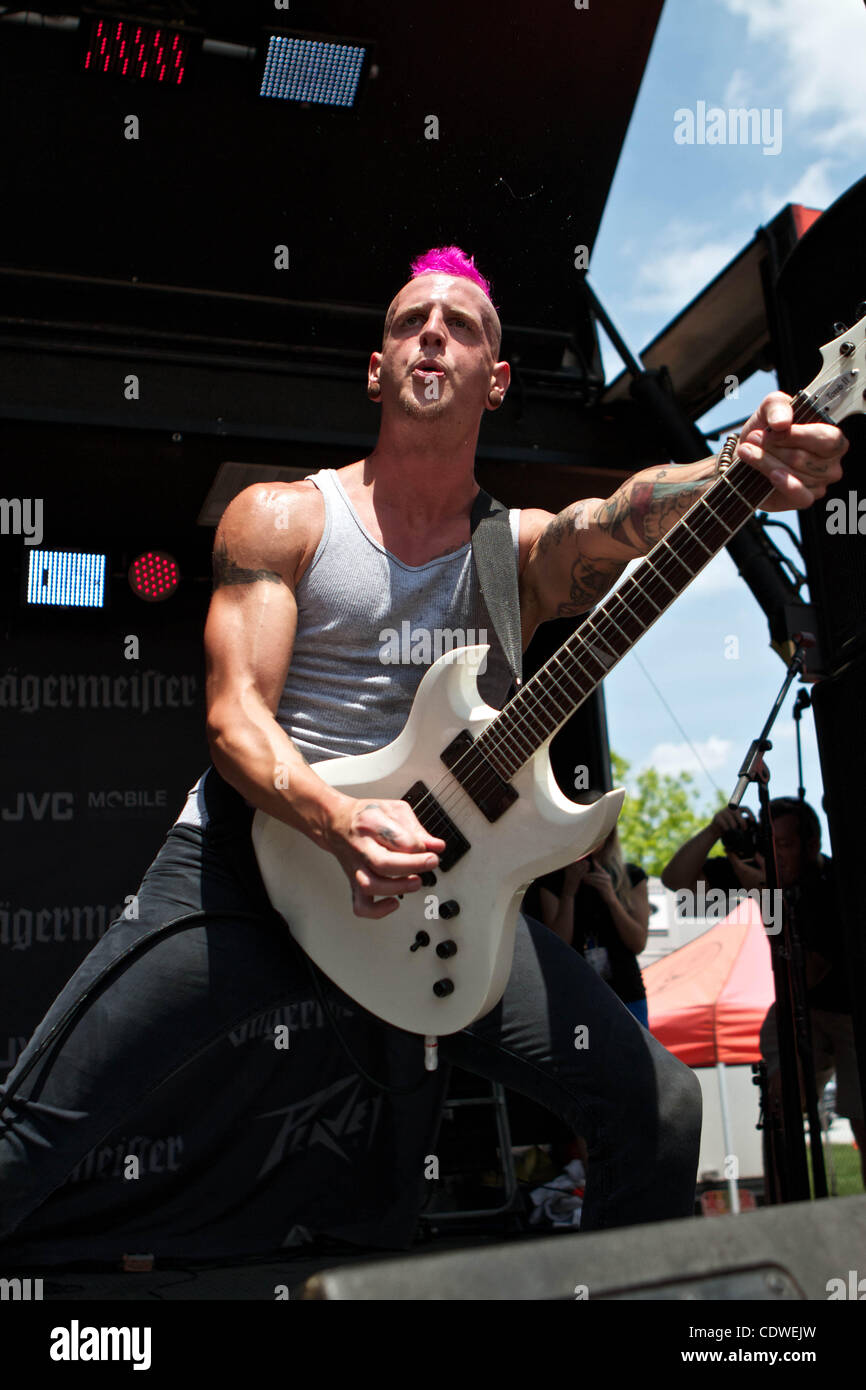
x: 144, y: 52
x: 154, y: 576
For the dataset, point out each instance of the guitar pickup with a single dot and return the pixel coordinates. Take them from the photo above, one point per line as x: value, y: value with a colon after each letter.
x: 490, y: 792
x: 438, y: 822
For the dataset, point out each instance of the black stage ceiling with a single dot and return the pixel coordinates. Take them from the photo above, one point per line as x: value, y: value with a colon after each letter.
x: 532, y: 106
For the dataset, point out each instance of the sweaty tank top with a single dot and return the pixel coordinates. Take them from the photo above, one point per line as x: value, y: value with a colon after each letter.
x: 368, y: 628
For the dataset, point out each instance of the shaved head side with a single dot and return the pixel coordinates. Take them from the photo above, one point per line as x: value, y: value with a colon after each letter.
x: 451, y: 260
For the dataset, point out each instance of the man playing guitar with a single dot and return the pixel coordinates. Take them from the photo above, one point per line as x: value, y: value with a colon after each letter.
x: 295, y: 674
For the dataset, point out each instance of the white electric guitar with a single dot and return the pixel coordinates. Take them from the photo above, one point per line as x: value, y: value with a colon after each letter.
x: 482, y: 781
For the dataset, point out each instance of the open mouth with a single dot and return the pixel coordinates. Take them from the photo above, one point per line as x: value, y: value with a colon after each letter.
x: 425, y: 369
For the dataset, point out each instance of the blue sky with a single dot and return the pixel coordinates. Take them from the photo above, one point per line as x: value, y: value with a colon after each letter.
x: 676, y: 215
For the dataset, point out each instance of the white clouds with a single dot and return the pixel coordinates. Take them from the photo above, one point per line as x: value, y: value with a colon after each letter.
x: 673, y: 758
x: 740, y: 89
x: 815, y: 50
x: 686, y: 257
x: 815, y: 188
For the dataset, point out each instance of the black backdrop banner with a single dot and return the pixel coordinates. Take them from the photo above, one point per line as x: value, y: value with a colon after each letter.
x: 237, y: 1153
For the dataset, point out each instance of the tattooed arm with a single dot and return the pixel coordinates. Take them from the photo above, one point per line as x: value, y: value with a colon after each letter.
x: 264, y: 542
x: 575, y: 557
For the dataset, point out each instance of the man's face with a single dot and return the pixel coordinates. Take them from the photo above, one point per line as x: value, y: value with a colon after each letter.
x: 792, y: 857
x: 437, y: 357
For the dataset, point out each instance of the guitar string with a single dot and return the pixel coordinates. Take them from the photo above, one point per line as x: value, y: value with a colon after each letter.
x: 526, y: 719
x: 536, y: 712
x: 531, y: 712
x: 804, y: 407
x: 432, y: 802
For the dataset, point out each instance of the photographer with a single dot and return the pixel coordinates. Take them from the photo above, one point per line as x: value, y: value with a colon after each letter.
x: 742, y: 867
x: 807, y: 880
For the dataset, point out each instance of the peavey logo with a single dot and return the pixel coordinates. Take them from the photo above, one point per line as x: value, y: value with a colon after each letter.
x: 77, y: 1343
x: 306, y: 1124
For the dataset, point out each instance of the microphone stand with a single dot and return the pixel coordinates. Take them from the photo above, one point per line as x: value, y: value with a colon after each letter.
x: 803, y: 701
x: 789, y: 978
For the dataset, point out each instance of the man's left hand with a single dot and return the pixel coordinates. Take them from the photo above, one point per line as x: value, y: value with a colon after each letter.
x: 802, y: 461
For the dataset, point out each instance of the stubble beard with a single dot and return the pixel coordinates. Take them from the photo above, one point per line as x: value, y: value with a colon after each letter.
x: 422, y: 410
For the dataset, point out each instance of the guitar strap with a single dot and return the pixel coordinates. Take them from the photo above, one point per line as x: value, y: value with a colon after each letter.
x: 496, y: 567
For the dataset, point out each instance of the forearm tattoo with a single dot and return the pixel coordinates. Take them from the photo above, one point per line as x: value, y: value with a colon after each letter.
x: 654, y: 507
x: 228, y: 571
x: 590, y: 578
x: 566, y: 523
x: 644, y: 509
x: 637, y: 515
x: 589, y: 581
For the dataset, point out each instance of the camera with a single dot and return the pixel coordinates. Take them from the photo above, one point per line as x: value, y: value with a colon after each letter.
x: 744, y: 842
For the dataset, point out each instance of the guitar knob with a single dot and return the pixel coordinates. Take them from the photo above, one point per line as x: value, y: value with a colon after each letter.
x: 443, y: 988
x: 421, y: 939
x: 839, y: 328
x: 428, y: 878
x: 848, y: 349
x: 449, y: 909
x: 446, y: 949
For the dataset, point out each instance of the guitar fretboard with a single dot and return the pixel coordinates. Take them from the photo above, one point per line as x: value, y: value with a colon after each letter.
x: 552, y: 695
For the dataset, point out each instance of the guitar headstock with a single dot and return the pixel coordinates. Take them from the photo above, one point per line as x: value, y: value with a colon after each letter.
x: 839, y: 389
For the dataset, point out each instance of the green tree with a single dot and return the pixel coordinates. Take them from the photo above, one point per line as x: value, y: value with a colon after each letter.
x: 659, y: 814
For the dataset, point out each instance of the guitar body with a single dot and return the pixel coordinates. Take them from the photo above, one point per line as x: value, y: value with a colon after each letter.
x: 372, y: 961
x: 478, y: 889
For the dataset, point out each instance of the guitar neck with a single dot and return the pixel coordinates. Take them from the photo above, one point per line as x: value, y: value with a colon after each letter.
x: 552, y: 695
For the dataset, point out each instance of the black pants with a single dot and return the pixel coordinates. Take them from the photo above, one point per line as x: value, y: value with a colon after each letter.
x: 559, y: 1035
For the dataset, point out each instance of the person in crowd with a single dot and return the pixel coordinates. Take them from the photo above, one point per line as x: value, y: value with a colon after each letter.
x: 600, y: 906
x: 808, y: 881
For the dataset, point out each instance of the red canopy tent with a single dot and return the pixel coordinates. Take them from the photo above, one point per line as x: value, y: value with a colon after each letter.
x: 707, y: 1000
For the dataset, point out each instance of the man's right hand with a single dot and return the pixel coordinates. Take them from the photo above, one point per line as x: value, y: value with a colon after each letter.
x: 383, y: 849
x: 729, y: 818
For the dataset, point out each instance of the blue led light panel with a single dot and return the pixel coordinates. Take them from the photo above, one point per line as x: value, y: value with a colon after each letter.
x: 308, y: 70
x: 66, y: 579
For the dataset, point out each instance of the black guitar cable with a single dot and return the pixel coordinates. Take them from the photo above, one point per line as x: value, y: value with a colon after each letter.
x: 55, y: 1036
x: 365, y: 1075
x: 63, y: 1025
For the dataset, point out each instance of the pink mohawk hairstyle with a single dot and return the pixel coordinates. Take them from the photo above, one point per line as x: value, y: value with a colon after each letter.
x: 450, y: 260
